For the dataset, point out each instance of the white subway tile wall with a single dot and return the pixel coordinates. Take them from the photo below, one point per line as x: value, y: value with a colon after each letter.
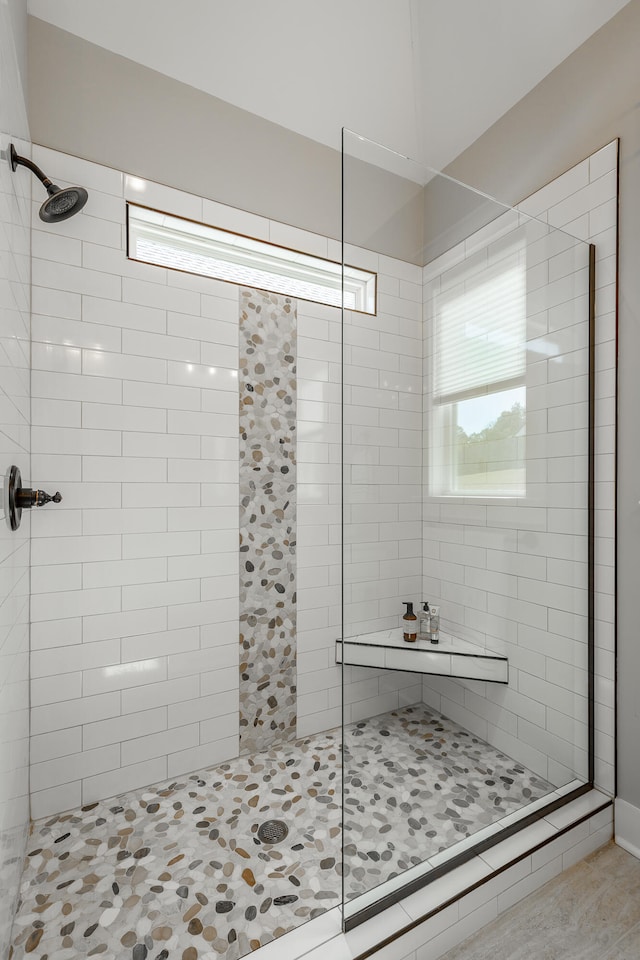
x: 591, y: 213
x: 319, y: 514
x: 15, y: 200
x: 383, y: 477
x: 135, y: 586
x: 382, y: 474
x: 135, y: 419
x: 135, y: 606
x: 516, y: 578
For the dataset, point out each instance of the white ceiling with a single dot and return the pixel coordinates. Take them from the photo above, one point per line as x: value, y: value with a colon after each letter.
x: 425, y: 77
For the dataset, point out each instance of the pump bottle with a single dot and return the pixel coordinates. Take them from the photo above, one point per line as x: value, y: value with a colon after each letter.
x: 424, y: 620
x: 409, y: 623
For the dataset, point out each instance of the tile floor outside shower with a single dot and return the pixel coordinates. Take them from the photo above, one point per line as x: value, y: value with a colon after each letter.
x: 178, y: 870
x: 589, y: 912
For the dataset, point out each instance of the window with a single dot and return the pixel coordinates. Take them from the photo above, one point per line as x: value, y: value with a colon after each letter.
x: 478, y: 401
x: 168, y: 241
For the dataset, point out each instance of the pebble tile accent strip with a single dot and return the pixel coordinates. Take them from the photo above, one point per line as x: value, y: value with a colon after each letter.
x: 178, y: 870
x: 267, y: 520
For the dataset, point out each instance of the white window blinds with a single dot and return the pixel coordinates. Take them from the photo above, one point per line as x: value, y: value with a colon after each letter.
x: 481, y: 333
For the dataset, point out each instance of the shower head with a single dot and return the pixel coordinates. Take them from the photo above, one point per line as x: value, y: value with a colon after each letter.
x: 62, y: 202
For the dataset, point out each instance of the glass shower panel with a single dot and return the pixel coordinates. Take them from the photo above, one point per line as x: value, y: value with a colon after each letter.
x: 466, y: 490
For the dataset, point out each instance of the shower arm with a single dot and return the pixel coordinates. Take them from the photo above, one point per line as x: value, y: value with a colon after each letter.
x: 17, y: 160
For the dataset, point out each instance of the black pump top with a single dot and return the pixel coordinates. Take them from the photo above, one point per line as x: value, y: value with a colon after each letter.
x: 425, y: 606
x: 409, y: 605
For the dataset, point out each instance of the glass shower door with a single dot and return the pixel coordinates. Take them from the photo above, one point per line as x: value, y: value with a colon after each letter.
x: 467, y: 472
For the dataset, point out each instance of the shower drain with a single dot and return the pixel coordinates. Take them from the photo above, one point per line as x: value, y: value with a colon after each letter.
x: 272, y: 831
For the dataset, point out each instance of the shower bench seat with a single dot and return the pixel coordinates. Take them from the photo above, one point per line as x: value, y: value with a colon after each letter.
x: 451, y: 657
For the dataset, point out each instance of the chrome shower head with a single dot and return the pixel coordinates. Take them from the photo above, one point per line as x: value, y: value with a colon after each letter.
x: 62, y: 202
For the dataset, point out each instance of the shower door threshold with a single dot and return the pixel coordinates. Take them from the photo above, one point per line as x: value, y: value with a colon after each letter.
x: 483, y: 854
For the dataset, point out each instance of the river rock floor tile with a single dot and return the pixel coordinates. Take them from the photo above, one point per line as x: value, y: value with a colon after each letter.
x: 177, y: 871
x: 415, y: 784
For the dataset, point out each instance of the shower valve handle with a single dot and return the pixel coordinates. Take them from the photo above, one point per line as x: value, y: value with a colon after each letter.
x: 24, y: 498
x: 27, y: 498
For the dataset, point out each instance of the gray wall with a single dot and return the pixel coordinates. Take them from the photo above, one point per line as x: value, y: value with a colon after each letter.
x: 19, y: 22
x: 592, y: 97
x: 94, y: 104
x: 13, y: 67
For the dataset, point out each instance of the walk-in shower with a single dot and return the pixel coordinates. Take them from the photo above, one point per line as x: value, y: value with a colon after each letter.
x: 231, y: 736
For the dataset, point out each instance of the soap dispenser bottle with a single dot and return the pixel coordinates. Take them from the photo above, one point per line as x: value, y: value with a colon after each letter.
x: 409, y: 623
x: 424, y: 620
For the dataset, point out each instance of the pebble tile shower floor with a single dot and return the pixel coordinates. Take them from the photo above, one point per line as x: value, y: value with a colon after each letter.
x: 177, y: 870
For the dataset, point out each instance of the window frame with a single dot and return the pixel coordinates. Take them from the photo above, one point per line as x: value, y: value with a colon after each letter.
x: 339, y: 277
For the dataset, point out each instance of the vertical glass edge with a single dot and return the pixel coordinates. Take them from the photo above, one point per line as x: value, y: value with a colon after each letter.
x: 342, y: 485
